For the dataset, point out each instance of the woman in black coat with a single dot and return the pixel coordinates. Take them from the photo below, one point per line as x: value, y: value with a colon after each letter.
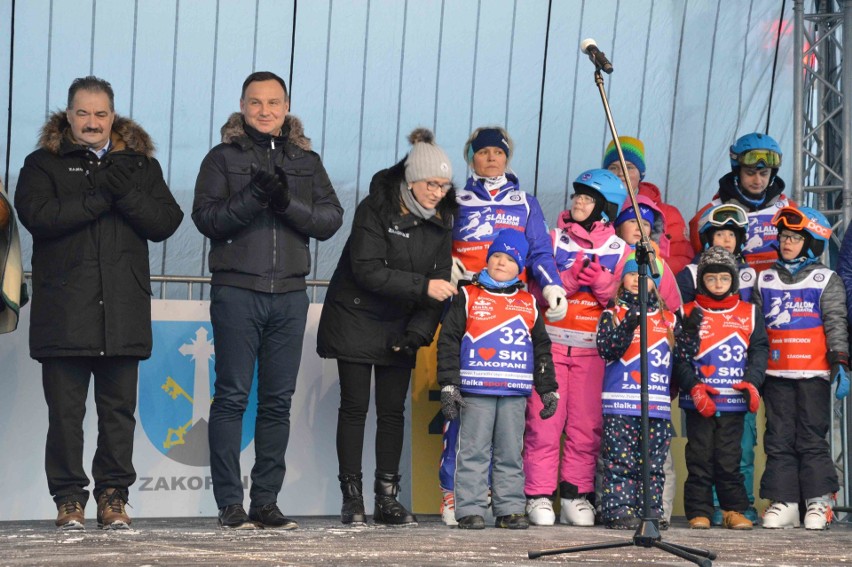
x: 384, y: 302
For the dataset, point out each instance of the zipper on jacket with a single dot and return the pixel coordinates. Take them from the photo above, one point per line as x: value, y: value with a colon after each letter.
x: 274, y: 222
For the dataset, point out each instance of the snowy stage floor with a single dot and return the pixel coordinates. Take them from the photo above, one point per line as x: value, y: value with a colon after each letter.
x: 323, y: 541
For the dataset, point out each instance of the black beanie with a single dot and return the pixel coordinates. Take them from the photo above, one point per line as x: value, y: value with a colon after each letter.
x: 717, y: 260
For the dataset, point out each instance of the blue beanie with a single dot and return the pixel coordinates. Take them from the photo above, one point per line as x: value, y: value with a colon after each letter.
x: 512, y: 242
x: 489, y: 137
x: 632, y: 266
x: 628, y: 214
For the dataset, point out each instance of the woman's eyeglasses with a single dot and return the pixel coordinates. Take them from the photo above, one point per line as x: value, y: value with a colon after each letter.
x: 435, y: 186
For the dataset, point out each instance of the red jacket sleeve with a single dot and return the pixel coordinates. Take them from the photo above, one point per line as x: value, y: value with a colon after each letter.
x: 693, y: 229
x: 680, y: 252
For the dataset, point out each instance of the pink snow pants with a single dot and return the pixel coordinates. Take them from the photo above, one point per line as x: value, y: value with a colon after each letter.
x: 578, y: 416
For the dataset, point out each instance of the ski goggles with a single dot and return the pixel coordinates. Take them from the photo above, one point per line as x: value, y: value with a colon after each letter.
x: 756, y: 158
x: 793, y: 219
x: 727, y: 214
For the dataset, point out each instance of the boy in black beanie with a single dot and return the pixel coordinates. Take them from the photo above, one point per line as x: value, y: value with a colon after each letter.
x: 717, y: 388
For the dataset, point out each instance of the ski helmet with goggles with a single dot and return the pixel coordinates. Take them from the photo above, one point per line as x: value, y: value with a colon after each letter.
x: 607, y: 185
x: 726, y: 216
x: 809, y: 221
x: 756, y: 150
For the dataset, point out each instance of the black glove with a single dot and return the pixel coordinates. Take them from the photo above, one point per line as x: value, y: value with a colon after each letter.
x: 407, y: 343
x: 692, y: 323
x: 631, y: 318
x: 281, y: 196
x: 117, y: 179
x: 550, y: 401
x: 451, y: 402
x: 263, y: 184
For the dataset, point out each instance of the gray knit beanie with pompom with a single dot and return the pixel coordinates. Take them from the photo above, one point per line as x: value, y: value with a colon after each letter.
x: 426, y: 159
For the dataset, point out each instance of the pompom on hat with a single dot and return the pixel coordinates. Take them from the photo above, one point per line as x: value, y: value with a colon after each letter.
x: 426, y: 159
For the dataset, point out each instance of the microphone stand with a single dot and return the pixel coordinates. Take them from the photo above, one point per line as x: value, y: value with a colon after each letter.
x: 648, y: 532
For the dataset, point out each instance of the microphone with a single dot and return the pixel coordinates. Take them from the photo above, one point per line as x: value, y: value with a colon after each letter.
x: 596, y: 56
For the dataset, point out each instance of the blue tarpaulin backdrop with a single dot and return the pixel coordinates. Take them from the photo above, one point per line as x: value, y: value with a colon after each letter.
x: 690, y: 76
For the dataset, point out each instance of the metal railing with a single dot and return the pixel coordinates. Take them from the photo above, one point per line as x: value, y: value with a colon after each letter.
x: 192, y: 281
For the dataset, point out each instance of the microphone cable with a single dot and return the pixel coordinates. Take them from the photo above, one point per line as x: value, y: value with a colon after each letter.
x: 775, y: 65
x: 541, y: 98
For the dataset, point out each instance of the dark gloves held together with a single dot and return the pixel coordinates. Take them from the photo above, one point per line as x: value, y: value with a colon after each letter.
x: 281, y: 197
x: 118, y: 178
x: 550, y: 401
x: 691, y: 323
x: 265, y: 185
x: 451, y: 402
x: 839, y: 373
x: 407, y: 343
x: 752, y: 396
x: 700, y: 394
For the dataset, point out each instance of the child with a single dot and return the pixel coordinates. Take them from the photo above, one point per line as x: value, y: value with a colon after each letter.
x: 492, y: 350
x: 654, y: 223
x: 492, y: 200
x: 618, y: 343
x: 752, y: 183
x: 804, y: 304
x: 674, y: 244
x: 588, y: 255
x: 717, y: 388
x: 726, y: 226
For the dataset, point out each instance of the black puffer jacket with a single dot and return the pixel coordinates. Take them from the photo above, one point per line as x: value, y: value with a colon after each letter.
x: 252, y: 246
x: 379, y: 289
x: 91, y: 282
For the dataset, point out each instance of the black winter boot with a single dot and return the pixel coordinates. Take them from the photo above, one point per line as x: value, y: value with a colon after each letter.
x: 387, y: 510
x: 352, y: 511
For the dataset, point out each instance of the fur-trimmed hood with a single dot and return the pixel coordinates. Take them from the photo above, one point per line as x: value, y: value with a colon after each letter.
x: 55, y: 136
x: 233, y: 131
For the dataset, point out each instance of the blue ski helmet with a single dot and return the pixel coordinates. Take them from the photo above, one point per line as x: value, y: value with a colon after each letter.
x: 603, y: 183
x: 805, y: 220
x: 747, y: 151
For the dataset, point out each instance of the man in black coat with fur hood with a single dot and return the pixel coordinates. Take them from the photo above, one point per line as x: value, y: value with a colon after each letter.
x: 92, y: 196
x: 260, y: 196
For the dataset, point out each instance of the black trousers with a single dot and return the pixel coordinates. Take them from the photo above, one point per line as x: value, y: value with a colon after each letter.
x: 713, y: 453
x: 66, y: 386
x: 798, y: 457
x: 391, y: 391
